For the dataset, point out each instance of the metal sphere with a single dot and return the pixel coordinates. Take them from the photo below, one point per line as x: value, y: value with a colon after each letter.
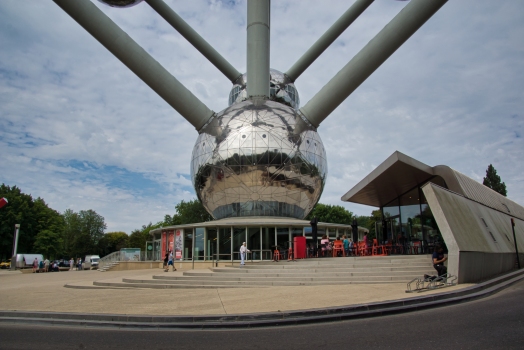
x: 258, y: 159
x: 281, y: 89
x: 121, y: 3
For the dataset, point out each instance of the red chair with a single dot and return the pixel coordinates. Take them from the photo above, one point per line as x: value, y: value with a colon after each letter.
x: 377, y: 249
x: 363, y: 249
x: 338, y: 247
x: 276, y: 255
x: 416, y: 246
x: 290, y: 254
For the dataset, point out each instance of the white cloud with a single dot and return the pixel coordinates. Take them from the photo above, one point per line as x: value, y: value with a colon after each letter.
x: 78, y: 129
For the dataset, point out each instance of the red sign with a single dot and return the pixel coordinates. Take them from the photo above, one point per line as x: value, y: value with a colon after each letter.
x: 3, y: 201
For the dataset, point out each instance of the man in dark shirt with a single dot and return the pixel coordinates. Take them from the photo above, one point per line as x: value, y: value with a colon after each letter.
x: 438, y: 261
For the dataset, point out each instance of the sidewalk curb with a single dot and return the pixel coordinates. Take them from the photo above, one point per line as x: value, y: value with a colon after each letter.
x: 307, y: 316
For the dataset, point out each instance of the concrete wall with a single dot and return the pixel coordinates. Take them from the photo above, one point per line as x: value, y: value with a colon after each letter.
x: 479, y: 239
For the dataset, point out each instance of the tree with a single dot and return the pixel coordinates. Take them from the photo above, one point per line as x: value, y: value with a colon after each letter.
x: 82, y: 232
x: 112, y: 242
x: 138, y: 238
x: 48, y: 243
x: 188, y: 213
x: 335, y: 214
x: 32, y: 215
x: 492, y: 180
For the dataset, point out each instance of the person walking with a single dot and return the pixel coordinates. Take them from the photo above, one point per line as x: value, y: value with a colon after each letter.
x: 243, y: 251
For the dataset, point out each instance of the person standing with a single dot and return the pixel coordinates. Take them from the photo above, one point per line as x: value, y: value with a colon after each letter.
x: 35, y: 265
x: 46, y: 265
x: 71, y: 264
x: 346, y: 245
x: 243, y: 251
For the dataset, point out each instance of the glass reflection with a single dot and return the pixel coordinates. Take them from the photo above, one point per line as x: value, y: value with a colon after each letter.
x: 258, y: 160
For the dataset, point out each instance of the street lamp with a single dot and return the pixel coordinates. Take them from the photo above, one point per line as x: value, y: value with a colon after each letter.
x: 15, y: 246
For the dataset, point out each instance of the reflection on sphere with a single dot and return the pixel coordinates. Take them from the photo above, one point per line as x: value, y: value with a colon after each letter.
x: 121, y: 3
x: 258, y: 160
x: 281, y: 89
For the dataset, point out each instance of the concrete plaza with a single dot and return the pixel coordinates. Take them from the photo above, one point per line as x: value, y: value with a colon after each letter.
x: 46, y: 292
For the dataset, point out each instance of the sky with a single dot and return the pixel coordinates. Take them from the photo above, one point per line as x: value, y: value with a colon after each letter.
x: 81, y: 131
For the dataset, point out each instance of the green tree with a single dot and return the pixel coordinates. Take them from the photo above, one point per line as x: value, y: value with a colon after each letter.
x: 492, y: 180
x: 335, y: 214
x: 32, y: 215
x: 112, y: 242
x: 82, y: 232
x: 138, y: 238
x: 188, y: 213
x: 48, y: 243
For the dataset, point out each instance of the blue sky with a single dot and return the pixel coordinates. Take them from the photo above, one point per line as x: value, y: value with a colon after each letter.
x: 78, y: 129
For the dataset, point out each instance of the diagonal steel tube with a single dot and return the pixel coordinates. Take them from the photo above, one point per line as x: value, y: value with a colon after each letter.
x: 103, y: 29
x: 376, y: 52
x: 195, y: 39
x: 328, y: 38
x: 258, y: 49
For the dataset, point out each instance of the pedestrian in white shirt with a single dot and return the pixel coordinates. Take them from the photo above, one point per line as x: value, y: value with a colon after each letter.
x: 243, y: 251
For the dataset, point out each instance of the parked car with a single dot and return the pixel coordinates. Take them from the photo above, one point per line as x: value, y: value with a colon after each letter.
x: 63, y: 263
x: 5, y: 264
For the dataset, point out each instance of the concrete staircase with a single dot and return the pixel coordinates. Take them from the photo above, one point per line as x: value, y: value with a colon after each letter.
x: 108, y: 267
x: 309, y: 272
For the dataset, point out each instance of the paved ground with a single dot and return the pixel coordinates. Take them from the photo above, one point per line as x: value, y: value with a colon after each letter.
x: 46, y: 292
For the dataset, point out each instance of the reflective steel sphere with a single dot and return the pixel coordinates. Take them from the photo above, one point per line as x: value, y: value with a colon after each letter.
x: 281, y: 89
x: 258, y: 159
x: 121, y: 3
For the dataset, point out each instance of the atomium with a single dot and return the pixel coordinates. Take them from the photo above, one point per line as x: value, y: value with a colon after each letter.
x: 258, y: 159
x: 261, y: 156
x: 121, y: 3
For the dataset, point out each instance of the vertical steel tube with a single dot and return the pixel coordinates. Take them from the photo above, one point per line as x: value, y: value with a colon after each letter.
x: 103, y: 29
x: 195, y: 39
x: 376, y: 52
x: 328, y: 38
x: 15, y: 246
x: 258, y: 12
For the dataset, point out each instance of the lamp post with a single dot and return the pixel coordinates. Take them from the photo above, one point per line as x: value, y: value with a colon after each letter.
x: 15, y: 246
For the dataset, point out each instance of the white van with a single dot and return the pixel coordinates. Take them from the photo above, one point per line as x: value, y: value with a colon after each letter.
x: 91, y: 261
x: 26, y: 260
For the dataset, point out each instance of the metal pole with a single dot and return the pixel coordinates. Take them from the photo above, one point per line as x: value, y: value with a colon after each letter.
x: 515, y: 240
x: 376, y: 52
x: 258, y: 13
x: 195, y: 39
x: 193, y: 249
x: 103, y: 29
x: 15, y: 246
x: 327, y: 38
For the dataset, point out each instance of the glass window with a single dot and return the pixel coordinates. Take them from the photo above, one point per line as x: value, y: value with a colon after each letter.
x: 239, y: 237
x: 410, y: 215
x: 188, y: 244
x: 268, y: 242
x: 283, y: 237
x: 211, y: 243
x: 199, y: 243
x: 253, y: 242
x: 224, y: 241
x: 391, y: 209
